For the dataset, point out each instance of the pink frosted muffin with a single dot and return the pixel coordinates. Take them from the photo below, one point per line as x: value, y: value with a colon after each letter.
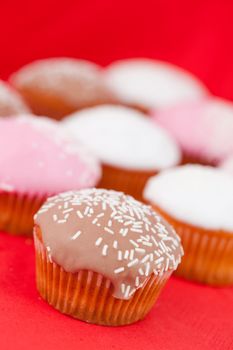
x: 131, y: 147
x: 37, y: 160
x: 203, y: 129
x: 150, y: 84
x: 11, y: 103
x: 197, y: 201
x: 103, y: 257
x: 56, y: 87
x: 227, y: 165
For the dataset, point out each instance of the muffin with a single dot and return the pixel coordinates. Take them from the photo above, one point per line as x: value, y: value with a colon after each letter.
x: 101, y: 256
x: 227, y: 165
x: 150, y: 84
x: 203, y: 129
x: 197, y: 201
x: 56, y: 87
x: 130, y: 146
x: 37, y: 160
x: 11, y: 102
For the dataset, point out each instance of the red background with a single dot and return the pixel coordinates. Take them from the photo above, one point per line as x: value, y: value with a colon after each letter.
x: 194, y: 34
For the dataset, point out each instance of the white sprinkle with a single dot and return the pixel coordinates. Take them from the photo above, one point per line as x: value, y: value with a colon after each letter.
x: 86, y: 210
x: 131, y: 255
x: 140, y: 250
x: 127, y: 223
x: 54, y: 217
x: 94, y: 221
x: 132, y: 263
x: 158, y: 261
x: 154, y: 240
x: 167, y: 264
x: 134, y: 243
x: 122, y: 288
x: 66, y: 204
x: 104, y: 206
x: 141, y: 272
x: 136, y: 230
x: 109, y: 230
x: 109, y: 223
x: 132, y: 292
x: 119, y: 255
x: 147, y: 269
x: 145, y: 258
x: 137, y: 281
x: 156, y: 253
x: 100, y: 215
x: 98, y: 241
x: 104, y: 250
x: 120, y: 269
x: 155, y: 272
x: 148, y: 244
x: 66, y: 216
x: 61, y: 221
x: 76, y: 235
x: 68, y: 210
x: 115, y: 244
x: 127, y: 292
x: 80, y: 215
x: 129, y: 217
x: 126, y: 255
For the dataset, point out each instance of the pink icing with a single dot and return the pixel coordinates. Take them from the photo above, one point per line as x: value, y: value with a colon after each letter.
x: 37, y: 156
x: 202, y: 128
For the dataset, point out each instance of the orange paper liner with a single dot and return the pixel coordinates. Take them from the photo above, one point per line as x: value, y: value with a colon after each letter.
x: 87, y: 295
x: 208, y: 254
x: 128, y: 181
x: 17, y: 211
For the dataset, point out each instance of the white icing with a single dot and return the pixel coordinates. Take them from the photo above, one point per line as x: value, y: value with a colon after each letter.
x: 123, y: 137
x: 151, y: 83
x: 195, y: 194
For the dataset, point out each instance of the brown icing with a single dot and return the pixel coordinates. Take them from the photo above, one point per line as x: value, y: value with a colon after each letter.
x: 109, y: 233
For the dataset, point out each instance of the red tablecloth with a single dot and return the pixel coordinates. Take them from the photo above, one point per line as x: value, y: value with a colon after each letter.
x: 194, y: 34
x: 187, y: 316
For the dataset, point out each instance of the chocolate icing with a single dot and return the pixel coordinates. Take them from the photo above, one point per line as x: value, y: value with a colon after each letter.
x: 110, y: 233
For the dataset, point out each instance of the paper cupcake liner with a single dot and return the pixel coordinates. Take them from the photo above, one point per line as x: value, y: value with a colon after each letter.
x: 17, y: 211
x: 208, y: 254
x: 128, y: 181
x: 87, y: 295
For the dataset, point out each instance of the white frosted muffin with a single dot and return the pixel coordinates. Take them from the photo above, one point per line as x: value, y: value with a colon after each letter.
x: 198, y: 201
x: 151, y: 84
x: 131, y: 147
x: 56, y: 87
x: 11, y: 103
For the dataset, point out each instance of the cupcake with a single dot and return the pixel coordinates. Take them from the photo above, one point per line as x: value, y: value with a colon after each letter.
x: 37, y: 160
x: 149, y: 84
x: 56, y: 87
x: 227, y: 165
x: 11, y: 102
x: 203, y: 129
x: 131, y: 147
x: 197, y: 201
x: 101, y: 256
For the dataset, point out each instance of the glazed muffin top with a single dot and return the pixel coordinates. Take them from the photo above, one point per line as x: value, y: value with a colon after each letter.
x: 203, y: 129
x: 109, y: 233
x: 123, y: 137
x: 74, y: 82
x: 11, y: 102
x: 38, y: 157
x: 152, y: 83
x: 198, y: 195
